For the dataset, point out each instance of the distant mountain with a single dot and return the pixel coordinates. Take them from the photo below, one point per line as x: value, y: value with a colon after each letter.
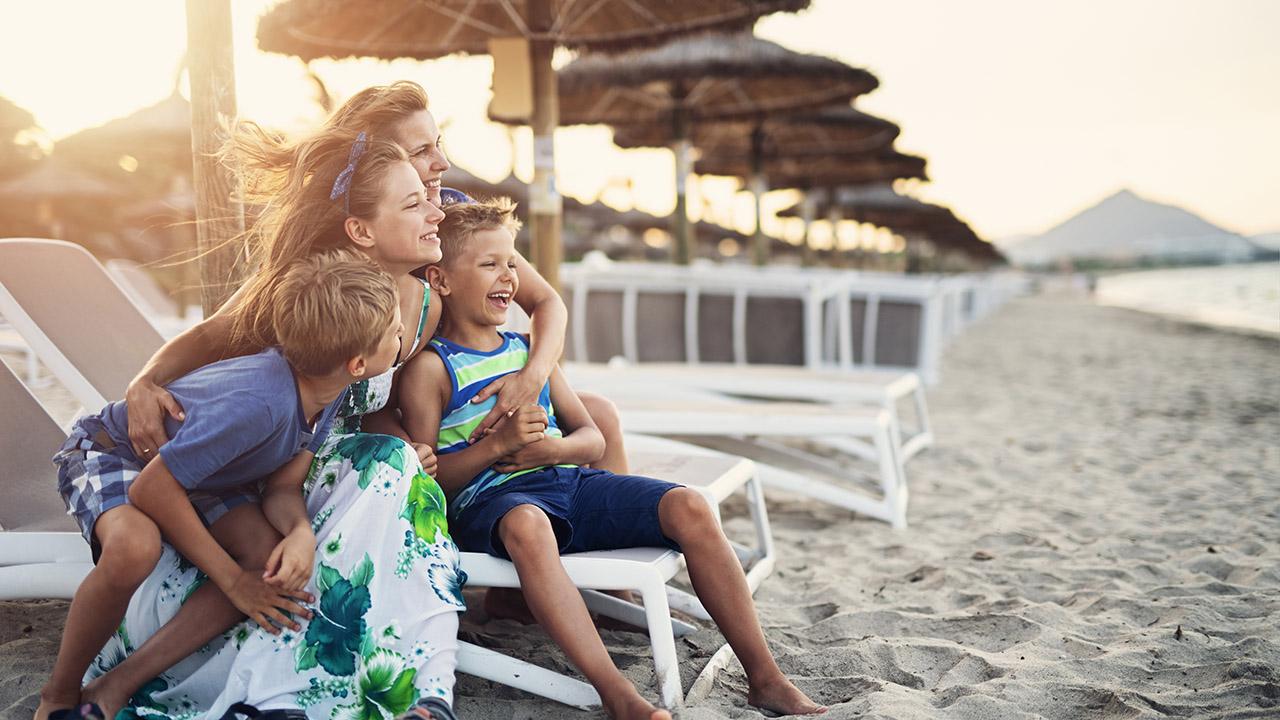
x: 1270, y: 241
x: 1125, y: 228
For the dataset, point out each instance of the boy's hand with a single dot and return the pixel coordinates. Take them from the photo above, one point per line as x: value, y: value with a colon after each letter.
x: 263, y: 602
x: 427, y: 457
x: 523, y: 425
x: 292, y: 560
x: 536, y: 454
x: 514, y: 391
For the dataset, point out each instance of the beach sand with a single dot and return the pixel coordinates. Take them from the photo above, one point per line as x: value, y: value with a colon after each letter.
x: 1093, y: 536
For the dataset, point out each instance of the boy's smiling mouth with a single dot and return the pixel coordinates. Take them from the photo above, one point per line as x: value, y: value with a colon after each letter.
x: 500, y: 299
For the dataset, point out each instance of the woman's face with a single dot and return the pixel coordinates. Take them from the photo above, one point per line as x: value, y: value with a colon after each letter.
x: 420, y: 137
x: 404, y: 229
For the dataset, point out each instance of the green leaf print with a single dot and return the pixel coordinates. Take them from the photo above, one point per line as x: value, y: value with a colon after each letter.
x: 367, y: 451
x: 306, y: 658
x: 363, y: 572
x: 326, y: 578
x: 336, y: 634
x: 385, y: 688
x: 424, y: 508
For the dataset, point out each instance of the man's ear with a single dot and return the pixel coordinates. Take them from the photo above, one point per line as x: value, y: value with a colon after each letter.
x: 438, y: 280
x: 356, y: 366
x: 359, y: 232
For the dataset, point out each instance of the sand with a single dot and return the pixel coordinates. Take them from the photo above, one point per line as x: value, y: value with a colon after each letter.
x: 1093, y: 536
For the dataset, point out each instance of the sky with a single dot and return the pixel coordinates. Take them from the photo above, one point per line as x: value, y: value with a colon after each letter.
x: 1027, y: 111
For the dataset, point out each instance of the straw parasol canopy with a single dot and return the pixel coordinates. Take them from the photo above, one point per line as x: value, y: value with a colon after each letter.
x: 424, y: 30
x: 914, y: 219
x: 842, y: 130
x: 18, y: 151
x: 153, y: 143
x: 53, y: 179
x: 668, y: 96
x: 805, y: 173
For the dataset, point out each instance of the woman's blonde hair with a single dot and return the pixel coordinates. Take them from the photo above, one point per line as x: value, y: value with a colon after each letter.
x: 380, y: 109
x: 302, y: 212
x: 330, y: 307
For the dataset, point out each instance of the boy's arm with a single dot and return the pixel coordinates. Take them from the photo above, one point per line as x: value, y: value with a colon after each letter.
x: 158, y: 495
x: 549, y: 320
x: 290, y: 563
x: 424, y: 395
x: 582, y: 443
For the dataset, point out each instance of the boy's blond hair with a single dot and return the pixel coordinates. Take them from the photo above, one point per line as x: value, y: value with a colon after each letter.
x: 464, y: 220
x: 330, y: 307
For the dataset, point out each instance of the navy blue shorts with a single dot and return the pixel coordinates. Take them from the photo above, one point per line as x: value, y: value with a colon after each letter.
x: 589, y: 509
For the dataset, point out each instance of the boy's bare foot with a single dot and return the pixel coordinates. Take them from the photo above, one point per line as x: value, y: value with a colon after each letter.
x: 780, y: 696
x: 51, y: 701
x: 101, y: 691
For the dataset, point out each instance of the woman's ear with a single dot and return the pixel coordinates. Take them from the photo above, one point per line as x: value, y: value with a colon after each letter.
x: 358, y: 231
x: 438, y: 280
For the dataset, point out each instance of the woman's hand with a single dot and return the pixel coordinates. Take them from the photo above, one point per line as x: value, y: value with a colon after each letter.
x: 292, y: 560
x: 426, y: 456
x: 146, y: 404
x: 536, y: 454
x: 513, y: 391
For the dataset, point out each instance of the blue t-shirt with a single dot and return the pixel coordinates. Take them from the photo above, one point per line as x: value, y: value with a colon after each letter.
x: 244, y: 419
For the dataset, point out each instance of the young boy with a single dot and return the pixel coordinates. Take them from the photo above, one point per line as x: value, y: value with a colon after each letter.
x: 337, y: 319
x: 522, y: 492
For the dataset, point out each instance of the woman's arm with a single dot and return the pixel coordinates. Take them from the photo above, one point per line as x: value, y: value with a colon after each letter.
x: 148, y: 401
x: 550, y: 320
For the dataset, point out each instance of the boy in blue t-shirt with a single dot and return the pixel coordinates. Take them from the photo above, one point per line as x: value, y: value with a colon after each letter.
x: 523, y: 493
x: 336, y: 317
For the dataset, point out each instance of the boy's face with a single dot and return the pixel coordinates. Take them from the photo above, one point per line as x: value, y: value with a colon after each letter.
x: 482, y: 281
x: 388, y: 348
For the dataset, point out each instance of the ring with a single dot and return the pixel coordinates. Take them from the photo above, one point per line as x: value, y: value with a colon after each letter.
x: 146, y: 450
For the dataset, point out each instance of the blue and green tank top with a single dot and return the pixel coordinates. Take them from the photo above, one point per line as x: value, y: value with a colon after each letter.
x: 470, y: 371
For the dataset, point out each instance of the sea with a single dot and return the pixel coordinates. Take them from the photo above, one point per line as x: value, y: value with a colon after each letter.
x: 1238, y: 297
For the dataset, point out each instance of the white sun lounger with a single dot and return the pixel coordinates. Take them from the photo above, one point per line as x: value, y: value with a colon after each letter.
x: 56, y: 307
x: 41, y: 554
x: 887, y: 389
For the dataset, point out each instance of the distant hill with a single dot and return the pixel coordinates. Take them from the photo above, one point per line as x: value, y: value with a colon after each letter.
x: 1126, y: 229
x: 1270, y: 241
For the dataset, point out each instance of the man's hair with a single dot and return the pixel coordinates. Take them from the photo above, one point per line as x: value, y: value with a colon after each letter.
x: 330, y: 307
x: 463, y: 220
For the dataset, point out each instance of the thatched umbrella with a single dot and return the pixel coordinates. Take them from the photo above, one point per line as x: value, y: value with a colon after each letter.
x: 808, y: 173
x: 157, y: 138
x: 914, y: 219
x: 669, y: 93
x: 401, y: 28
x: 17, y: 153
x: 838, y: 131
x: 53, y: 179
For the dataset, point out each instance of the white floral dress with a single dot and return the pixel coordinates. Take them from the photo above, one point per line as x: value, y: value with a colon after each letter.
x: 388, y: 592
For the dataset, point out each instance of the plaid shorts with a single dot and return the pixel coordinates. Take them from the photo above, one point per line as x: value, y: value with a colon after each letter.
x: 94, y: 477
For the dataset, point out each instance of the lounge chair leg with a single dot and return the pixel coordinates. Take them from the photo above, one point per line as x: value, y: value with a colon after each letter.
x: 666, y: 672
x: 490, y: 665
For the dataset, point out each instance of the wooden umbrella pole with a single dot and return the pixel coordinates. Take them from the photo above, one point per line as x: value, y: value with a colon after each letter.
x: 807, y: 211
x: 219, y: 214
x: 682, y: 148
x: 544, y: 200
x: 833, y: 215
x: 759, y: 243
